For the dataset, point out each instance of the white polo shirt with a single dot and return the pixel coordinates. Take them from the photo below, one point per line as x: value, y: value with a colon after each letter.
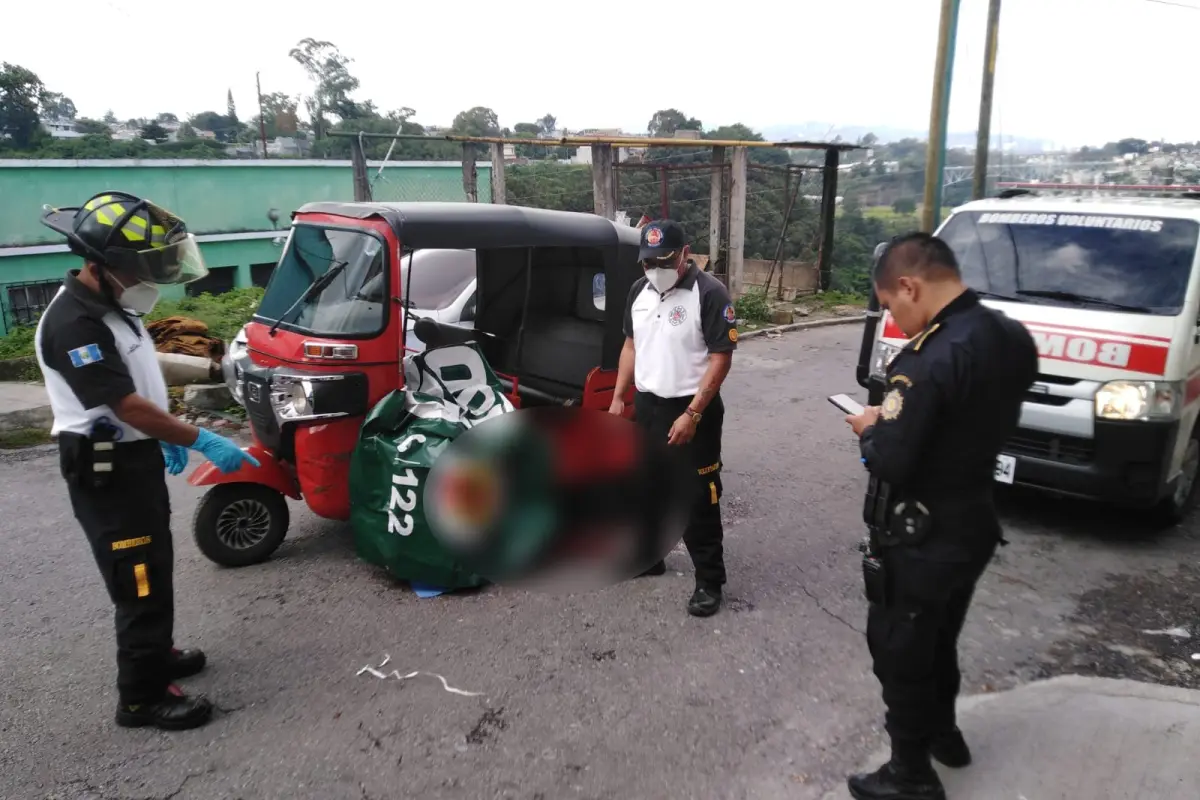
x: 674, y: 333
x: 92, y: 356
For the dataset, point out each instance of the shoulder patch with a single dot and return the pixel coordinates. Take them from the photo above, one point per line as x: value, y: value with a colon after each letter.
x: 733, y: 334
x: 907, y: 381
x: 88, y: 354
x: 729, y: 314
x: 893, y: 404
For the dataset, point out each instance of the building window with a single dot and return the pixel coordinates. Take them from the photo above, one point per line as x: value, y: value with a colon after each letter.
x: 218, y: 281
x: 26, y: 301
x: 260, y: 274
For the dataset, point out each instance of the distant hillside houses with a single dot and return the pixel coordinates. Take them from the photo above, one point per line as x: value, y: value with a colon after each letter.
x: 281, y: 146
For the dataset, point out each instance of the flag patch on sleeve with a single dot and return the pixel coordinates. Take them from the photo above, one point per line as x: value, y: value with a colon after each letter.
x: 88, y: 354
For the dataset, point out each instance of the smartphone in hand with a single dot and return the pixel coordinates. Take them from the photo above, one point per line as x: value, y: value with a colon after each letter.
x: 847, y: 404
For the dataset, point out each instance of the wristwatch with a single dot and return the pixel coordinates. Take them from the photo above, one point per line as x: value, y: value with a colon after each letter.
x: 695, y: 415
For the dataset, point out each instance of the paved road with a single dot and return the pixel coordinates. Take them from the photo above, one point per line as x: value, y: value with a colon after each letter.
x: 617, y: 694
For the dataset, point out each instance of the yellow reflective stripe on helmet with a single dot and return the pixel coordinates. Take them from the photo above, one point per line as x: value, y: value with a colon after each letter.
x: 103, y: 218
x: 138, y: 222
x: 96, y: 202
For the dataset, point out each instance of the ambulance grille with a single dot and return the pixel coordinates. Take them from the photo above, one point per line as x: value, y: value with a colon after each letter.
x: 1038, y: 444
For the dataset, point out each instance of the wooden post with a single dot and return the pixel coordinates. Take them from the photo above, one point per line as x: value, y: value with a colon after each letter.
x: 714, y: 208
x: 499, y: 189
x: 828, y: 209
x: 984, y: 138
x: 470, y: 179
x: 737, y: 219
x: 358, y: 164
x: 603, y: 196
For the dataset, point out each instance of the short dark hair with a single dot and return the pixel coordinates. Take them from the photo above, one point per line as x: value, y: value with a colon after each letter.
x: 917, y: 253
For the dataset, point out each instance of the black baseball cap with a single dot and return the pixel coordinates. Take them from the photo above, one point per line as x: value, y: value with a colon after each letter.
x: 661, y: 238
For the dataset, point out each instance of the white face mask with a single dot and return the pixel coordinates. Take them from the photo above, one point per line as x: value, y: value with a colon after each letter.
x: 140, y: 298
x: 663, y: 279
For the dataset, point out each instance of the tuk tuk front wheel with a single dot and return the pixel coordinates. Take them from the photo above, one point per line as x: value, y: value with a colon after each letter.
x: 239, y: 524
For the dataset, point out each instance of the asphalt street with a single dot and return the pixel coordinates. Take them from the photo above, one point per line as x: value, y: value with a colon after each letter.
x: 614, y: 694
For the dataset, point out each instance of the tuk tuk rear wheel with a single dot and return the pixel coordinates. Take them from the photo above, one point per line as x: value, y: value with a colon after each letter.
x: 239, y: 524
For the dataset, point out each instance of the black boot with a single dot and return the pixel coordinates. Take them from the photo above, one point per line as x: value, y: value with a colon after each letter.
x: 174, y: 712
x: 951, y: 749
x: 185, y: 663
x: 705, y: 602
x: 658, y: 569
x: 908, y: 776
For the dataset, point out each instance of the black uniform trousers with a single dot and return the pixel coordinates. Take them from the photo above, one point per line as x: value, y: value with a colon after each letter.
x: 914, y: 638
x: 704, y: 535
x: 128, y: 525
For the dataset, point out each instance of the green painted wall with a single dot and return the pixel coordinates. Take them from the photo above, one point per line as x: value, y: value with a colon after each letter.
x: 240, y: 255
x: 212, y: 196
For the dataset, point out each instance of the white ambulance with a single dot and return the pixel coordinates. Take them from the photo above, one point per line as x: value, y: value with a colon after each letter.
x: 1109, y: 286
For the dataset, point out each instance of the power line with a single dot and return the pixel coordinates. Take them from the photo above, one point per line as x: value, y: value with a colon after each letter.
x: 1176, y: 5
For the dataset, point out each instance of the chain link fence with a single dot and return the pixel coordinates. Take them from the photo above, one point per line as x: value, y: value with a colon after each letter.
x: 426, y: 182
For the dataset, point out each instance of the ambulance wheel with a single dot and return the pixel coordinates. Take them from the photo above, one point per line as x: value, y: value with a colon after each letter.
x: 239, y: 524
x: 1175, y: 507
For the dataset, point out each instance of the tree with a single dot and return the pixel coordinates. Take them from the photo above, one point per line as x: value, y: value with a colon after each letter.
x: 186, y: 133
x: 332, y: 82
x: 279, y: 114
x: 225, y: 129
x: 154, y: 132
x: 665, y: 123
x: 548, y: 124
x: 231, y: 109
x: 905, y: 205
x: 110, y: 117
x: 57, y: 106
x: 166, y: 117
x: 477, y: 121
x: 870, y: 140
x: 92, y: 126
x: 21, y: 92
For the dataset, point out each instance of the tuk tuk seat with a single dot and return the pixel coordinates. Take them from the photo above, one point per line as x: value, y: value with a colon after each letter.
x: 556, y: 353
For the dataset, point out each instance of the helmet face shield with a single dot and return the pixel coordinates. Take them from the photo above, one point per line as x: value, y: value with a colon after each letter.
x: 174, y: 263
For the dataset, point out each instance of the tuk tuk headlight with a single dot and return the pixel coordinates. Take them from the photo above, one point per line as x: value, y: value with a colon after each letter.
x: 303, y: 398
x: 291, y: 398
x: 1143, y: 401
x: 882, y: 357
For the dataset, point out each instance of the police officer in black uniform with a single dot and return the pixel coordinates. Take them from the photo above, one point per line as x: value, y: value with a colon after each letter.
x: 953, y: 396
x: 680, y: 338
x: 116, y: 436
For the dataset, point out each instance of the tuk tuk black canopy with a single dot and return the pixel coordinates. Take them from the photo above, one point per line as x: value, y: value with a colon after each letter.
x: 484, y: 226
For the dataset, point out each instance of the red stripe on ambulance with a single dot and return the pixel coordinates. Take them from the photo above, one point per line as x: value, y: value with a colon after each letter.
x: 1102, y: 348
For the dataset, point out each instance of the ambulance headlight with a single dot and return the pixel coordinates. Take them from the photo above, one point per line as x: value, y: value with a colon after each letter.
x: 1143, y: 401
x: 882, y: 357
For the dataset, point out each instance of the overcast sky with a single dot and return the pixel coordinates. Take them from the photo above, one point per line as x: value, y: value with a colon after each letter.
x: 1074, y: 71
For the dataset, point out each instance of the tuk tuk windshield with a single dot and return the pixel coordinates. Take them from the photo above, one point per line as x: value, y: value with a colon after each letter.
x: 1115, y: 263
x: 341, y: 271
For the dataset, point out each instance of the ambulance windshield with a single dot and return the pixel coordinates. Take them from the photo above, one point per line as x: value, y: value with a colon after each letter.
x: 1114, y: 263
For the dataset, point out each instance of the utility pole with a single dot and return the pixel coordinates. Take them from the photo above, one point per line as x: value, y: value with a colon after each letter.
x: 935, y: 154
x: 262, y: 118
x: 983, y: 141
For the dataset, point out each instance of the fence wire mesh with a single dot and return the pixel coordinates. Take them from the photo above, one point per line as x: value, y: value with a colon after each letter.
x: 426, y: 183
x: 783, y: 230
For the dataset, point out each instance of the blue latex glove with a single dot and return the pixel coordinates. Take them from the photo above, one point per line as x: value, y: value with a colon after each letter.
x: 176, y: 457
x: 221, y: 451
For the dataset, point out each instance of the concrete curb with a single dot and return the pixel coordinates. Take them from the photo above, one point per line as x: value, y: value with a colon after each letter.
x: 800, y: 326
x: 37, y: 417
